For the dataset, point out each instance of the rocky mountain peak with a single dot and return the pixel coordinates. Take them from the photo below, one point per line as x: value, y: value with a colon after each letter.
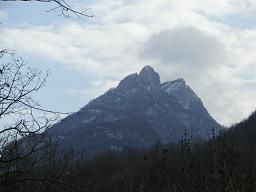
x: 148, y: 76
x: 181, y: 91
x: 180, y: 81
x: 147, y: 69
x: 177, y: 84
x: 137, y: 113
x: 129, y: 81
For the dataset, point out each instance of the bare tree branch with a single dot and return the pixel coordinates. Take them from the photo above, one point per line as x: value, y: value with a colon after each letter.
x: 24, y: 144
x: 61, y: 5
x: 22, y: 119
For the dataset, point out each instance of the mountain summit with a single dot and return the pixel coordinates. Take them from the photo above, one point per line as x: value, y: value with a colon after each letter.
x: 149, y: 76
x: 137, y: 113
x: 146, y: 79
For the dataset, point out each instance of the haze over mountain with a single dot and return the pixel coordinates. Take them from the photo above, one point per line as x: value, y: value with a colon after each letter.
x: 138, y: 112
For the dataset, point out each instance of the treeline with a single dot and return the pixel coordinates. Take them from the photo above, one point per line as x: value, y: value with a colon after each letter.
x: 215, y: 166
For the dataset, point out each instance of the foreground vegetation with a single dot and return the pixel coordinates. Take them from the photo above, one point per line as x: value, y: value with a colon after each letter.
x: 215, y: 166
x: 32, y: 161
x: 36, y: 164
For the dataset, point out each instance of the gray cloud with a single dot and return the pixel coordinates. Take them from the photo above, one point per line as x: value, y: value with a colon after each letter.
x: 107, y: 49
x: 184, y: 46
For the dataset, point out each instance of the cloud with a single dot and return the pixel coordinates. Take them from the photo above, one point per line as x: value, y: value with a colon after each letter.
x: 201, y: 41
x: 186, y: 46
x: 98, y: 50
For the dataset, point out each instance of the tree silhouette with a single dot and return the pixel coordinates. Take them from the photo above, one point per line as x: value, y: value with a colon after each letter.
x: 61, y: 5
x: 22, y: 119
x: 24, y: 144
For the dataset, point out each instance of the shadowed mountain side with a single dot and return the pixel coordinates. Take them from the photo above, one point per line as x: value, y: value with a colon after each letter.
x: 138, y: 112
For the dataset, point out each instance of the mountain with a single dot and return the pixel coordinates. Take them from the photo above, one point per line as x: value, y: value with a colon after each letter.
x: 138, y: 112
x: 244, y: 133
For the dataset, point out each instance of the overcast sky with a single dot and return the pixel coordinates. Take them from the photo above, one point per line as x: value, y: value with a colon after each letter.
x: 209, y: 43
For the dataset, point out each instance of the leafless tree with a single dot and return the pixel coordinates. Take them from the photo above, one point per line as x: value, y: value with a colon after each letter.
x: 22, y: 119
x: 61, y: 5
x: 24, y: 143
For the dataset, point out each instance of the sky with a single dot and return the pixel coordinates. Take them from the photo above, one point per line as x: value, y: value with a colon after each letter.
x: 209, y: 43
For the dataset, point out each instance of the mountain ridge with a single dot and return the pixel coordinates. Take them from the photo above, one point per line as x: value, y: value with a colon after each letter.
x: 137, y: 113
